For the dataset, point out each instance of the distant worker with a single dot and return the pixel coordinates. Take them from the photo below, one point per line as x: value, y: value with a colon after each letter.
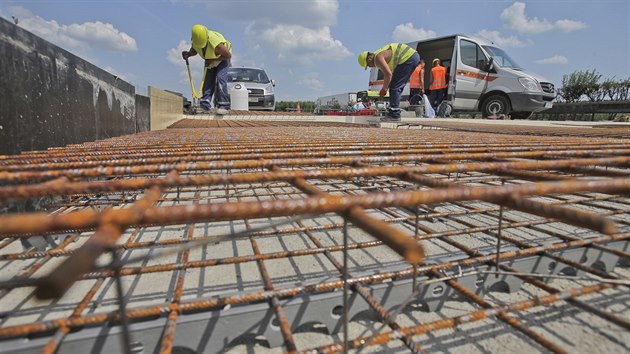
x: 397, y: 61
x: 438, y: 84
x: 416, y: 84
x: 217, y: 52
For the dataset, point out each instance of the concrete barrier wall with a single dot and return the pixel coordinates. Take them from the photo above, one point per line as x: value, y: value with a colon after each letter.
x: 143, y: 113
x: 166, y: 108
x: 50, y: 97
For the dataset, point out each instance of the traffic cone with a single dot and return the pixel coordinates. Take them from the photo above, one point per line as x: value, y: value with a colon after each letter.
x: 297, y: 109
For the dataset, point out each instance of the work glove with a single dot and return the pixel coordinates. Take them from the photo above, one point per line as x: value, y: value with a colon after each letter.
x: 382, y: 92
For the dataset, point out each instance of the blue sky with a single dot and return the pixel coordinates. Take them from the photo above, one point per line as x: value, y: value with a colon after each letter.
x: 310, y: 46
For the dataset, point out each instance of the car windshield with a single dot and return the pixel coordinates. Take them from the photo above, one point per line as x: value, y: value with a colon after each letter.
x: 501, y: 58
x: 247, y: 75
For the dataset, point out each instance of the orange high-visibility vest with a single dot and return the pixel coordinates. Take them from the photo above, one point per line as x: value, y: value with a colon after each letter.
x: 439, y: 78
x: 416, y: 80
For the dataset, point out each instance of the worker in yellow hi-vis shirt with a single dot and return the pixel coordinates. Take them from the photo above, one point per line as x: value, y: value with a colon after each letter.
x: 217, y: 52
x: 397, y: 62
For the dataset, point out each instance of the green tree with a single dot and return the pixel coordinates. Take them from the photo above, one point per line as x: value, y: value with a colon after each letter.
x: 615, y: 90
x: 580, y: 84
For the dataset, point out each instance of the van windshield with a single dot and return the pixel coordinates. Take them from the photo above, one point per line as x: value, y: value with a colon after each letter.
x: 247, y: 75
x: 500, y: 57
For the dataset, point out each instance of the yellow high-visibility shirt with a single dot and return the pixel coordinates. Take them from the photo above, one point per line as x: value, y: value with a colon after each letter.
x: 400, y: 53
x: 214, y: 39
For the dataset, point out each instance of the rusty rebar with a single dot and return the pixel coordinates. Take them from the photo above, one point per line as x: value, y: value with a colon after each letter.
x: 55, y: 284
x: 380, y: 230
x: 216, y: 176
x: 264, y: 163
x: 42, y: 222
x: 174, y: 180
x: 453, y: 322
x: 255, y: 297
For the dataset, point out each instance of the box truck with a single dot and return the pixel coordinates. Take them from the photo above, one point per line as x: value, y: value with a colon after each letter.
x: 480, y: 77
x: 335, y: 102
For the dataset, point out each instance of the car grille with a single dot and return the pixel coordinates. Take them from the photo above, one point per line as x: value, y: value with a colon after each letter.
x: 547, y: 87
x: 256, y: 92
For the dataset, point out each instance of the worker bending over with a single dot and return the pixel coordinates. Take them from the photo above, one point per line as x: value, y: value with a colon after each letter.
x: 217, y: 52
x: 397, y: 61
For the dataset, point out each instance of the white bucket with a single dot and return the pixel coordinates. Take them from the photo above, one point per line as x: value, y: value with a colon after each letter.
x: 239, y: 97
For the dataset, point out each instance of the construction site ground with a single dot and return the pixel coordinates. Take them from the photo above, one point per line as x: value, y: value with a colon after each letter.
x: 270, y: 196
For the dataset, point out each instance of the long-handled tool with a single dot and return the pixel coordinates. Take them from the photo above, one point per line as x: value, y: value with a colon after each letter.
x: 196, y: 95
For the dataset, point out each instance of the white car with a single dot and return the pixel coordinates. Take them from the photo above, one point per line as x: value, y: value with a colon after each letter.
x: 259, y: 87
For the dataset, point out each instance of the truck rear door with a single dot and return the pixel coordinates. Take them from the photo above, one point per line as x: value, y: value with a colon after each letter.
x: 376, y: 79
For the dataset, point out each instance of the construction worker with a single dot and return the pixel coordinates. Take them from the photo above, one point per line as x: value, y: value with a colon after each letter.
x: 217, y: 52
x: 438, y: 84
x: 397, y: 61
x: 416, y: 84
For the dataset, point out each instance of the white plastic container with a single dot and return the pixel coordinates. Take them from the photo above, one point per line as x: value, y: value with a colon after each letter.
x: 239, y: 97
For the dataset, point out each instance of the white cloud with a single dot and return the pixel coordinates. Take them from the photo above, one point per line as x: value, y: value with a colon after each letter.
x: 556, y: 59
x: 311, y: 81
x: 496, y: 38
x: 407, y: 33
x: 101, y: 34
x: 174, y: 56
x: 84, y: 35
x: 307, y: 13
x: 515, y: 18
x: 298, y: 44
x: 570, y: 25
x: 295, y: 33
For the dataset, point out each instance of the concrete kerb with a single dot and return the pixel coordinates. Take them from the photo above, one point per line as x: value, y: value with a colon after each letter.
x: 366, y: 120
x: 406, y: 122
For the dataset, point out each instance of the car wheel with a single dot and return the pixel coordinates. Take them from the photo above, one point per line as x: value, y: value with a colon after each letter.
x: 521, y: 115
x: 495, y: 105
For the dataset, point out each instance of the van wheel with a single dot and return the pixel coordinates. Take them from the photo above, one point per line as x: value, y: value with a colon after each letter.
x: 495, y: 105
x: 444, y: 110
x: 521, y: 115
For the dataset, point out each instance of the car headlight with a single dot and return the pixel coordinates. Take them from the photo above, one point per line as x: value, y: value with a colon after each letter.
x: 269, y: 88
x: 529, y: 84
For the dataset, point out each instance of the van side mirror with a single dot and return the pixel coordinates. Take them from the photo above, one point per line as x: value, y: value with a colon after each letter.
x: 489, y: 65
x: 273, y: 82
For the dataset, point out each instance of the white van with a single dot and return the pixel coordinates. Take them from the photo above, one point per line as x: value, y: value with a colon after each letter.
x: 480, y: 77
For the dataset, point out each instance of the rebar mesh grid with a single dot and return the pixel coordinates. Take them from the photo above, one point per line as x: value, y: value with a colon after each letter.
x: 227, y: 123
x: 320, y: 239
x: 621, y: 131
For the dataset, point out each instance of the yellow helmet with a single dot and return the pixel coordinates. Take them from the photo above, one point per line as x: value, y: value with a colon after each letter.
x: 199, y: 36
x: 363, y: 59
